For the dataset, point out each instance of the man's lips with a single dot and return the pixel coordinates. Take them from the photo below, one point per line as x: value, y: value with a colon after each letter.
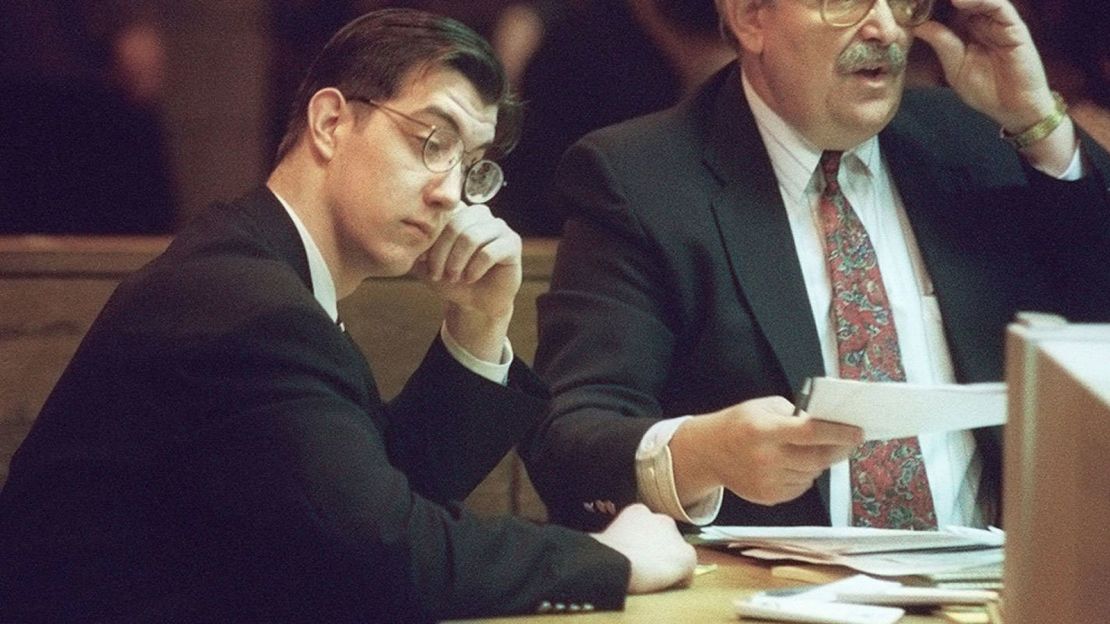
x: 872, y: 70
x: 426, y: 228
x: 872, y: 73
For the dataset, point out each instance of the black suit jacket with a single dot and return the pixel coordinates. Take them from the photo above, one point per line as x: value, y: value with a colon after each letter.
x: 217, y: 451
x: 677, y: 288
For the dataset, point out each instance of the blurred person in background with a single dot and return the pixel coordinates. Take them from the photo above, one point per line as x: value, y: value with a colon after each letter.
x: 584, y: 64
x: 84, y: 148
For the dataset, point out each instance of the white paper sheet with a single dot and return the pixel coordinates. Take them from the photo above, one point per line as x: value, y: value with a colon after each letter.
x: 895, y: 563
x: 886, y: 410
x: 828, y: 541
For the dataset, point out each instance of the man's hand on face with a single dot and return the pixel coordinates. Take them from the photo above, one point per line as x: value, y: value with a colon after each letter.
x: 475, y: 267
x: 990, y: 60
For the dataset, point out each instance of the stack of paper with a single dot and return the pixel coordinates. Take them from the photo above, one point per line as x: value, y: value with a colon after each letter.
x: 883, y: 552
x: 983, y: 577
x: 858, y: 599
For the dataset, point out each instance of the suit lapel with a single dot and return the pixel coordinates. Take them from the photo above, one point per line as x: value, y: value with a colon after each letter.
x: 932, y: 189
x: 754, y: 230
x: 265, y: 214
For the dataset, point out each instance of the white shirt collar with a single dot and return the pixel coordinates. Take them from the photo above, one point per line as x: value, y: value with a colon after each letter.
x: 793, y: 157
x: 323, y: 287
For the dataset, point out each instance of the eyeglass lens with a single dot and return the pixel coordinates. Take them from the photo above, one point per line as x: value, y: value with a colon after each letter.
x: 483, y: 179
x: 443, y: 149
x: 844, y: 13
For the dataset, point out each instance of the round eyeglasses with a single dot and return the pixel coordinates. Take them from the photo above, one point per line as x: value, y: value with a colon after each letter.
x: 846, y: 13
x: 443, y: 149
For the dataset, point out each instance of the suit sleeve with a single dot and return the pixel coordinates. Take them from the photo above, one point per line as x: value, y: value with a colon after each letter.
x: 449, y: 427
x: 606, y: 338
x: 1070, y: 229
x: 304, y: 488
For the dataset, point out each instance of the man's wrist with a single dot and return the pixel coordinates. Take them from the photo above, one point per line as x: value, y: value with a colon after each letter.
x: 1049, y: 142
x: 1056, y: 154
x: 496, y: 371
x: 481, y: 335
x: 1040, y: 129
x: 694, y: 478
x: 655, y: 478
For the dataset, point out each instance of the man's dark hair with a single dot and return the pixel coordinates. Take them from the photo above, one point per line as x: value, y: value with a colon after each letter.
x: 371, y: 56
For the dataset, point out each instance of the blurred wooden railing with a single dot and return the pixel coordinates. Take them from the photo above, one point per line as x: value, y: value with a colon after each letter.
x: 51, y: 289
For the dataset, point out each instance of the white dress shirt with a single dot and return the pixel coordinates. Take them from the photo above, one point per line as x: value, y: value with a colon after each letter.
x: 323, y: 289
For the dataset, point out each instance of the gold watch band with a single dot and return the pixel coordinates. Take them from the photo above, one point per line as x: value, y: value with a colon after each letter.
x: 1042, y: 128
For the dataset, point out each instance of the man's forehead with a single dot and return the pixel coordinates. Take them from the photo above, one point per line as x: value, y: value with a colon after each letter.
x: 448, y: 95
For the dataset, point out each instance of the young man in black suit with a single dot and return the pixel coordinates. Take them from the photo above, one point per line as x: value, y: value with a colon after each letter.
x: 217, y: 449
x: 711, y: 264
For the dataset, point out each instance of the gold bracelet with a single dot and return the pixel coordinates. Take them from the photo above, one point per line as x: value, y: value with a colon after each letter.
x: 1042, y: 128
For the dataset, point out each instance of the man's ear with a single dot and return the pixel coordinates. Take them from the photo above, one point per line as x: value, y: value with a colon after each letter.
x: 744, y: 19
x: 325, y: 113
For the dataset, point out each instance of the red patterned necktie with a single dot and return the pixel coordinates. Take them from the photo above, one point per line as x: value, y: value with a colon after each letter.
x: 889, y: 486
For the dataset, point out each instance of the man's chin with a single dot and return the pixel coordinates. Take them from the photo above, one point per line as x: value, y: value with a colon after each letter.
x: 870, y: 116
x: 400, y: 265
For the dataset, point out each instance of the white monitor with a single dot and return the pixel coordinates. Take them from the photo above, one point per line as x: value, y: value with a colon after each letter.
x: 1056, y: 474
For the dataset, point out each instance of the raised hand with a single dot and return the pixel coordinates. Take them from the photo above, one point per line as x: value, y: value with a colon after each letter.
x: 475, y: 266
x: 989, y: 59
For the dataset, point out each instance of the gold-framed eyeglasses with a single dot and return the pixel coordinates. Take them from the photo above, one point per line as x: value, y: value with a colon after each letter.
x: 443, y: 149
x: 847, y: 13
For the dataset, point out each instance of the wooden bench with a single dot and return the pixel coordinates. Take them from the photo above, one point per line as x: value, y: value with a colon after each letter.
x: 51, y: 289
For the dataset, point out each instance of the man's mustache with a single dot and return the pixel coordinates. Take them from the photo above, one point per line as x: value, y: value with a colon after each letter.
x: 869, y: 55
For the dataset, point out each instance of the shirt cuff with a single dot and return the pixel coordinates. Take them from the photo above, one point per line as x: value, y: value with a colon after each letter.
x: 655, y: 478
x: 1075, y: 169
x: 496, y: 372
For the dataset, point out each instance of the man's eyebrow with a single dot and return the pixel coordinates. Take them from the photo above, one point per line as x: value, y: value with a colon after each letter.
x: 440, y: 113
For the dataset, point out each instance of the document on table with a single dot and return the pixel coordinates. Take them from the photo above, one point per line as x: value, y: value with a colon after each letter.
x: 884, y: 552
x: 886, y: 410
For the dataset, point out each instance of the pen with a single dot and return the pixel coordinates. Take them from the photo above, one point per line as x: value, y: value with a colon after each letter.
x: 801, y: 402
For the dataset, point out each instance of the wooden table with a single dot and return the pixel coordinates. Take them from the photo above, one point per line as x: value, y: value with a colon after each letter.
x: 708, y: 600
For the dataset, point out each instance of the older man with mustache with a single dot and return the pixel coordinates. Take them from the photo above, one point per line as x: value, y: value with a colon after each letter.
x: 805, y: 215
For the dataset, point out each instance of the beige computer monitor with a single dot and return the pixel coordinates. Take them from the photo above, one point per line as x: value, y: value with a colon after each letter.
x: 1056, y: 474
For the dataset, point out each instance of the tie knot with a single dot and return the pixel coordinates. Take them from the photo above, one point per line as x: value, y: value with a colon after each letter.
x: 830, y: 166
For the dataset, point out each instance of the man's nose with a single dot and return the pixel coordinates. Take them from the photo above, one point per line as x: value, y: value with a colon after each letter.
x: 444, y: 191
x: 879, y: 24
